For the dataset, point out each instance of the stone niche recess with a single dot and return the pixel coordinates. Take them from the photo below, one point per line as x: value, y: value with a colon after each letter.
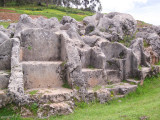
x: 41, y: 58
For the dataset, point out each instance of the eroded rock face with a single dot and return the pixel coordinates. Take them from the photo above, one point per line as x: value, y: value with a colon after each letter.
x: 26, y: 22
x: 151, y: 37
x: 138, y: 49
x: 113, y: 26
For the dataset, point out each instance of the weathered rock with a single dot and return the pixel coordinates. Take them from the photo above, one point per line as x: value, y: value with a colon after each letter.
x: 116, y: 25
x: 32, y: 41
x: 25, y: 112
x: 50, y: 95
x: 16, y: 84
x: 5, y: 52
x: 103, y: 95
x: 4, y: 99
x: 93, y: 77
x: 68, y: 19
x: 138, y: 49
x: 42, y: 74
x: 4, y: 79
x: 153, y: 56
x: 63, y: 108
x: 26, y: 22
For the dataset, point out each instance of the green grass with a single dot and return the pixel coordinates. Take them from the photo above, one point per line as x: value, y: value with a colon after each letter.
x: 140, y: 67
x: 51, y: 11
x: 5, y: 24
x: 144, y: 102
x: 91, y: 67
x: 33, y: 92
x: 158, y: 63
x: 96, y: 88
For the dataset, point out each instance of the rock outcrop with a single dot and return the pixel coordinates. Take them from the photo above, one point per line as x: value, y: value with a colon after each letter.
x: 39, y: 57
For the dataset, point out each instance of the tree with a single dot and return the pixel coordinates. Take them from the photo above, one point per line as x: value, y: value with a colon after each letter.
x: 91, y: 5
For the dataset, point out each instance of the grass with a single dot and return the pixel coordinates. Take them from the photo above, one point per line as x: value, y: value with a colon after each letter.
x: 5, y: 24
x: 51, y: 11
x: 91, y: 67
x: 127, y: 40
x: 96, y: 88
x: 140, y: 67
x: 158, y: 63
x: 144, y: 102
x: 33, y: 92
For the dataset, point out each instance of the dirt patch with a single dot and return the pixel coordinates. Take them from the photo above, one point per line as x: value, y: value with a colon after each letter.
x: 141, y: 24
x: 5, y: 10
x: 14, y: 17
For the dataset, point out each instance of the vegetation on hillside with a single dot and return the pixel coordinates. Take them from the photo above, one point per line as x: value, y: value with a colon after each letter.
x: 143, y: 103
x: 89, y: 5
x: 51, y: 11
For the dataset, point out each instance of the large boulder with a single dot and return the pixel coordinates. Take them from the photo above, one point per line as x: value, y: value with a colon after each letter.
x: 116, y: 25
x: 26, y: 22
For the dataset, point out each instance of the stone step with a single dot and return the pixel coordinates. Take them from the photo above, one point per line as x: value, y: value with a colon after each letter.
x: 121, y: 88
x: 133, y: 81
x: 93, y: 77
x: 62, y: 108
x: 52, y: 95
x: 42, y: 74
x: 4, y: 78
x: 113, y: 76
x: 109, y: 92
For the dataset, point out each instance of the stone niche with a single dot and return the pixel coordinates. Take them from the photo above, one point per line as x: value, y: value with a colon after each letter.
x: 40, y: 57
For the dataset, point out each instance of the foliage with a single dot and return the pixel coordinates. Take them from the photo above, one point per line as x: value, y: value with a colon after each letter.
x: 158, y: 63
x: 96, y: 88
x: 127, y: 40
x: 145, y: 44
x: 91, y: 67
x: 89, y: 5
x: 140, y: 67
x: 33, y: 92
x: 51, y: 11
x: 5, y: 24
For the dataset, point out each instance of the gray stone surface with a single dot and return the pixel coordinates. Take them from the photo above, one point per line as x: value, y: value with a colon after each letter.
x: 40, y: 45
x: 41, y: 74
x: 63, y: 108
x: 5, y: 51
x: 4, y: 79
x: 113, y: 26
x: 26, y: 22
x: 138, y: 50
x: 93, y: 77
x: 16, y: 84
x: 4, y: 99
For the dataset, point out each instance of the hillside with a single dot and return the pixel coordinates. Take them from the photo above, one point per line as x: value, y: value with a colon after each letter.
x: 13, y: 13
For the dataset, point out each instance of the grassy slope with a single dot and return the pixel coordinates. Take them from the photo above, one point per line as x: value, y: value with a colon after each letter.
x: 144, y: 102
x: 51, y: 11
